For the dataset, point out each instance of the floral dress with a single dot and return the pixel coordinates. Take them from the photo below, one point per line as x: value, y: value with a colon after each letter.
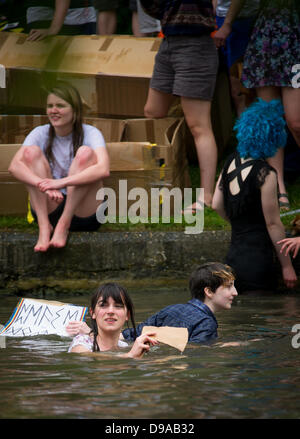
x: 273, y: 49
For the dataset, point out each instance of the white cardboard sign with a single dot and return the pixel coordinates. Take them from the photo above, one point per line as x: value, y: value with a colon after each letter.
x: 41, y: 317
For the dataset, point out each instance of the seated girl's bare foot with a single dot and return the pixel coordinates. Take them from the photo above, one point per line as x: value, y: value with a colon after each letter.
x: 60, y: 236
x: 43, y: 241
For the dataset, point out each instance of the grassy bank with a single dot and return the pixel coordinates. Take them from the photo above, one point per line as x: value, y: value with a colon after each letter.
x: 212, y: 221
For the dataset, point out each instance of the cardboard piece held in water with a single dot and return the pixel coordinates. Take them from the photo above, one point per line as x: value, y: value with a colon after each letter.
x: 42, y: 317
x: 175, y: 337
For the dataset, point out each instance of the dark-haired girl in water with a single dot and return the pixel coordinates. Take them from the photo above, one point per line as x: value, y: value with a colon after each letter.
x: 111, y: 307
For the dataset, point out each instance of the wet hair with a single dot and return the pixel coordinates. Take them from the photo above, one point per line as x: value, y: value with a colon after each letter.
x: 261, y: 129
x: 211, y: 275
x: 71, y: 95
x: 119, y: 295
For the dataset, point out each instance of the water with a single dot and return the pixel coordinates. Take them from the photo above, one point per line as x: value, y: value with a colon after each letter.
x: 259, y: 379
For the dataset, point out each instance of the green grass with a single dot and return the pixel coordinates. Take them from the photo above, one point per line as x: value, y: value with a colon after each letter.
x: 212, y: 220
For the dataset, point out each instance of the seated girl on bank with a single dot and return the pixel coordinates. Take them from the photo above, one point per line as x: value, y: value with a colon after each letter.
x: 62, y: 165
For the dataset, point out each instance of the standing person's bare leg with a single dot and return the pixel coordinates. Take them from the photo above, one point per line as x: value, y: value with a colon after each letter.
x: 197, y: 115
x: 291, y: 104
x: 267, y: 94
x: 106, y: 22
x: 158, y: 103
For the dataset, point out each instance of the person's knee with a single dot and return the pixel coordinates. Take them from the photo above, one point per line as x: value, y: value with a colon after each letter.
x: 85, y: 156
x: 32, y: 154
x: 199, y: 129
x: 152, y: 112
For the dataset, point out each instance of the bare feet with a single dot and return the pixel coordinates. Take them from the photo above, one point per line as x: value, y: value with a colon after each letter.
x: 43, y: 241
x: 60, y: 235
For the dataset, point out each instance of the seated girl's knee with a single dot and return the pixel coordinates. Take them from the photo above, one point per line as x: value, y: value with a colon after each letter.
x: 32, y: 154
x: 85, y: 155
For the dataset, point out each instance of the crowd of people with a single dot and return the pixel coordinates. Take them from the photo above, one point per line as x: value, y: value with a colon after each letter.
x: 78, y: 17
x: 64, y: 162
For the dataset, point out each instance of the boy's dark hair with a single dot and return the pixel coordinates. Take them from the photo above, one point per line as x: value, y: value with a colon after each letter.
x: 210, y: 275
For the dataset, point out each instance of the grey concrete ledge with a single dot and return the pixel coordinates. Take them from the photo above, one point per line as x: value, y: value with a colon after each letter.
x: 161, y: 258
x: 92, y: 257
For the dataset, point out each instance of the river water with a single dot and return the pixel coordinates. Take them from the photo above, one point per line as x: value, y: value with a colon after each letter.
x: 258, y: 379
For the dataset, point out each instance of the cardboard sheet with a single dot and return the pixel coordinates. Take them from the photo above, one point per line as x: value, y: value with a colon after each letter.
x: 41, y: 317
x: 175, y: 337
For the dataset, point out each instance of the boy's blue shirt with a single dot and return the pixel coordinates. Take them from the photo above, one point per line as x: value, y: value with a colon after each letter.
x: 193, y: 315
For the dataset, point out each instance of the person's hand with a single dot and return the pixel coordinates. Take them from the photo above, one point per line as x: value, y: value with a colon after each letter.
x: 38, y: 34
x: 220, y: 36
x: 75, y: 328
x: 289, y: 276
x: 49, y: 183
x: 141, y: 345
x: 290, y: 244
x: 55, y: 195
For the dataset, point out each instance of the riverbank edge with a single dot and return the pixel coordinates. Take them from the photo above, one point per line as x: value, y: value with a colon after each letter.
x: 135, y: 259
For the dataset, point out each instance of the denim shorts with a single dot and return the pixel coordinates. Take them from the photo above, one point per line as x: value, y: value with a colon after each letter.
x: 78, y: 224
x: 186, y: 66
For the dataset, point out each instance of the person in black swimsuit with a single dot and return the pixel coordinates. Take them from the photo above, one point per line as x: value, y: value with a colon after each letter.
x: 246, y: 196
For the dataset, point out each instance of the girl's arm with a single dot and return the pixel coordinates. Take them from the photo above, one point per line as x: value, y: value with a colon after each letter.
x: 275, y: 227
x: 141, y: 345
x: 225, y: 30
x: 218, y: 201
x: 90, y: 174
x: 60, y: 12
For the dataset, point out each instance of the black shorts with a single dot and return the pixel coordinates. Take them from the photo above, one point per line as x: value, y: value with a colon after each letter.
x: 78, y: 224
x: 112, y: 5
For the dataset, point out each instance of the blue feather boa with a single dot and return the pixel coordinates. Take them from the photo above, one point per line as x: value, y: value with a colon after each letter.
x: 261, y: 129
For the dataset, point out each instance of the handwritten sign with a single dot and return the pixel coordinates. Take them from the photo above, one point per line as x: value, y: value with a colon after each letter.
x: 41, y: 317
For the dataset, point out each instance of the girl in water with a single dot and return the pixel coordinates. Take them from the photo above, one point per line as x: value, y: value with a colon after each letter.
x: 110, y: 308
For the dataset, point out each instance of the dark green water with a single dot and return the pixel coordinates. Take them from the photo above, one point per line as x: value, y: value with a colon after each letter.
x: 259, y: 379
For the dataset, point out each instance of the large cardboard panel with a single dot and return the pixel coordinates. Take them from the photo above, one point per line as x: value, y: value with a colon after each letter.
x: 112, y: 73
x: 13, y: 194
x: 166, y: 131
x: 14, y: 129
x: 6, y: 154
x: 135, y: 166
x: 115, y: 55
x: 13, y: 198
